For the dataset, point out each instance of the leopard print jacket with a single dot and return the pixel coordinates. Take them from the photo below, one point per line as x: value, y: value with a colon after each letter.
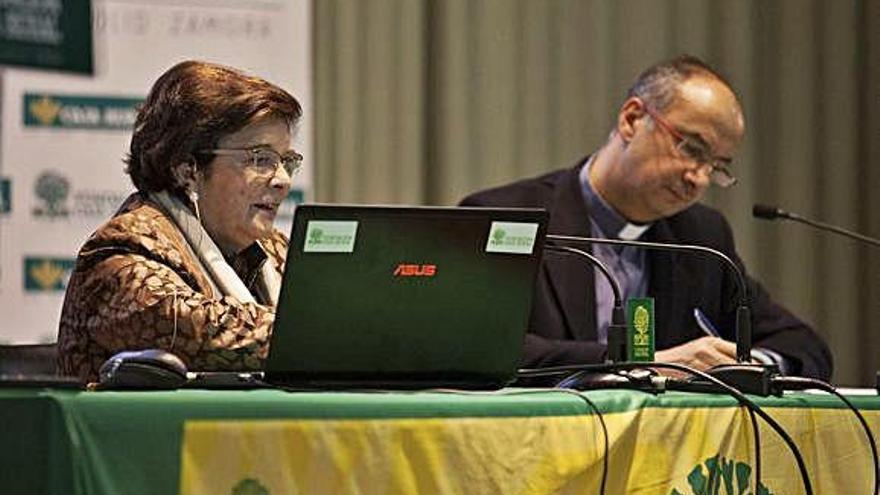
x: 136, y: 285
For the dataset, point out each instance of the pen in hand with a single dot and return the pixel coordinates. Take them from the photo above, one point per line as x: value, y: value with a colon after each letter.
x: 705, y: 324
x: 758, y: 355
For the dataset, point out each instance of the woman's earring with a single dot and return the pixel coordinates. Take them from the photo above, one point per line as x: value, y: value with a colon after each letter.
x: 194, y: 199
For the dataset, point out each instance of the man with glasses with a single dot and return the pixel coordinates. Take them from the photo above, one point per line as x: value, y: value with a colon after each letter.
x: 675, y: 135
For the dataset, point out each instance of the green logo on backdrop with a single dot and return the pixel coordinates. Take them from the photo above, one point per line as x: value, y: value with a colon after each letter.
x: 52, y: 189
x: 79, y: 112
x: 640, y: 328
x: 5, y: 196
x: 716, y: 473
x: 46, y: 274
x: 512, y: 237
x: 249, y: 486
x: 330, y: 236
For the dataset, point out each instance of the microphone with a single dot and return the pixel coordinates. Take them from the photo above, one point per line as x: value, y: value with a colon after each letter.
x: 745, y: 376
x: 743, y: 312
x: 617, y: 341
x: 769, y: 212
x: 617, y: 350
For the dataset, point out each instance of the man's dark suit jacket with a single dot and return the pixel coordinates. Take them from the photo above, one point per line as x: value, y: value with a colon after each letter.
x: 562, y: 327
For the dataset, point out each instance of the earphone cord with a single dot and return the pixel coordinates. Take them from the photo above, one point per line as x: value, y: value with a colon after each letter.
x: 174, y: 335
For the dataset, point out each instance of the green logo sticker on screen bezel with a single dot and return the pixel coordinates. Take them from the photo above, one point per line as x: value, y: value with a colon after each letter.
x: 330, y: 236
x: 512, y: 237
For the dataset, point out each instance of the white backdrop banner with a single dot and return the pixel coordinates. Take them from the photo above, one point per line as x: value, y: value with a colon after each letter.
x: 63, y: 137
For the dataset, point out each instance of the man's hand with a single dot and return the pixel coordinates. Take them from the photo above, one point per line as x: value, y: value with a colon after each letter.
x: 701, y: 354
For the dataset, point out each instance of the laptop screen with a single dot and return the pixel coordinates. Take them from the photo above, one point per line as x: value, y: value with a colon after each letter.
x: 411, y: 297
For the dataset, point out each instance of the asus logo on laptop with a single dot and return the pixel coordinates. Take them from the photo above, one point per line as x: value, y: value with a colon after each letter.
x: 413, y: 270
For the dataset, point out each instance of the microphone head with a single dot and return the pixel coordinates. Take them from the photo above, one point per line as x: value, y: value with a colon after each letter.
x: 766, y: 211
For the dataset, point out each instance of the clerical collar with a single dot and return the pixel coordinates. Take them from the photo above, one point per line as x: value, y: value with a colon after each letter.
x: 611, y: 223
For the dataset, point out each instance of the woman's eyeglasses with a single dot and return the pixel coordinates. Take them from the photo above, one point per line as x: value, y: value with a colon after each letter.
x: 262, y: 160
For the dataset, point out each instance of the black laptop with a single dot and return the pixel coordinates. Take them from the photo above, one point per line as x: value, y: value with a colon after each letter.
x: 405, y: 297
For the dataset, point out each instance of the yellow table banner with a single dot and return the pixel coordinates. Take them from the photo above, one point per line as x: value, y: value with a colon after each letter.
x: 682, y: 451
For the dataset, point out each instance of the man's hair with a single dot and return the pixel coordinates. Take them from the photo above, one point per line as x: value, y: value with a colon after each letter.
x: 190, y: 108
x: 658, y: 85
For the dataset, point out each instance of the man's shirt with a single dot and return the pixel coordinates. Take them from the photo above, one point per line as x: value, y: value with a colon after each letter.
x: 628, y: 264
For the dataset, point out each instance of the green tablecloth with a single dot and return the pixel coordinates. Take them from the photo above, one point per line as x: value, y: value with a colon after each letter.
x: 56, y: 441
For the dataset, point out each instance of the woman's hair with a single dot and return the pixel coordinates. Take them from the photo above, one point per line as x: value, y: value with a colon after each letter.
x: 190, y: 108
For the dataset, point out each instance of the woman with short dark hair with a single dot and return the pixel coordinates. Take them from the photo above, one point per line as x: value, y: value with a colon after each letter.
x: 191, y: 262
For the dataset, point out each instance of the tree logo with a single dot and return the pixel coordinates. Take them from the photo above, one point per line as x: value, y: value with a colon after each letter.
x: 316, y: 236
x: 52, y: 188
x: 719, y: 476
x: 498, y: 236
x: 249, y: 486
x: 642, y: 319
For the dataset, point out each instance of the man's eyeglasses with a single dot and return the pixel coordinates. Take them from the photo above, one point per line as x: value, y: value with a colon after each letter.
x: 717, y: 168
x: 263, y: 160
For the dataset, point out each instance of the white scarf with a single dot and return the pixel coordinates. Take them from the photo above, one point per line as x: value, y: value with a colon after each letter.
x: 221, y: 276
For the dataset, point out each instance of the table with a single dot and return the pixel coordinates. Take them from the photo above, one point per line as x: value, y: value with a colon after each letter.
x: 512, y: 441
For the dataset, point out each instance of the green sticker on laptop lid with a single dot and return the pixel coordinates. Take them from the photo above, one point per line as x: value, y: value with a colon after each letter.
x: 330, y: 236
x: 512, y: 237
x: 640, y: 328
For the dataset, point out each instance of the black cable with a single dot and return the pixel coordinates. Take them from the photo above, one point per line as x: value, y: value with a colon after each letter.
x: 617, y: 326
x: 645, y: 385
x: 799, y: 383
x: 612, y: 281
x: 743, y: 312
x: 757, y: 438
x: 589, y: 402
x: 756, y: 435
x: 605, y: 434
x: 580, y: 396
x: 601, y: 418
x: 802, y: 467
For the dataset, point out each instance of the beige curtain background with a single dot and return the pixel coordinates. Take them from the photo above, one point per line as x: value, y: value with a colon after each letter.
x: 422, y: 102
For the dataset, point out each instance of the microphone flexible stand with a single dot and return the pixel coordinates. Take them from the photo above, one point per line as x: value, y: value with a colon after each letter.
x: 617, y: 350
x: 768, y: 212
x: 746, y: 376
x: 617, y: 343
